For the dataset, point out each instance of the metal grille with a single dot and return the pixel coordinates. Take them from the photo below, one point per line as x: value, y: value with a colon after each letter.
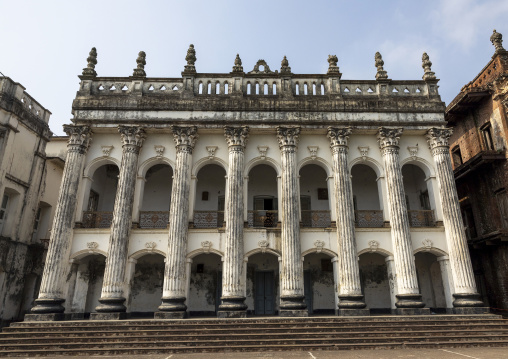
x: 369, y: 218
x: 97, y: 219
x: 154, y: 219
x: 421, y: 218
x: 208, y: 219
x: 316, y: 219
x: 262, y: 218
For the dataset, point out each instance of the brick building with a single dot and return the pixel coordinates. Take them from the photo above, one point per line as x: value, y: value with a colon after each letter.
x: 479, y: 117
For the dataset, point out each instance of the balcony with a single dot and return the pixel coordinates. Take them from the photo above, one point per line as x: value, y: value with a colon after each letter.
x: 316, y: 219
x: 421, y: 218
x: 262, y: 219
x: 369, y: 219
x: 154, y: 219
x: 97, y: 219
x: 208, y: 219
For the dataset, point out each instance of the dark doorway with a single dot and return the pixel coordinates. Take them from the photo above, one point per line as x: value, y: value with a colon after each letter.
x: 218, y: 291
x: 307, y: 285
x: 265, y: 293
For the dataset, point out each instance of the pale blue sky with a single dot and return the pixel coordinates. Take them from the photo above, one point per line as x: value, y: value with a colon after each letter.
x: 45, y: 43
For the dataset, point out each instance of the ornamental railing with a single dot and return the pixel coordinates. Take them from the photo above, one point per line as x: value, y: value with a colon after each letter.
x: 316, y: 218
x: 153, y: 219
x: 208, y: 219
x: 369, y: 218
x: 97, y: 219
x: 421, y: 218
x: 261, y: 218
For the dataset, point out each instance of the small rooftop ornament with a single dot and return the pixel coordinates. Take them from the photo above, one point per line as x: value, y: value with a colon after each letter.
x: 497, y: 40
x: 381, y: 73
x: 89, y: 70
x: 139, y: 71
x: 238, y: 64
x: 284, y: 66
x: 191, y: 59
x: 426, y: 64
x: 332, y: 65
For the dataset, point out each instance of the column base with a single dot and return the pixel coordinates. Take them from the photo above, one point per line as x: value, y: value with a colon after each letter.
x: 170, y: 315
x: 471, y: 310
x: 412, y: 311
x: 353, y: 312
x: 409, y: 301
x: 111, y: 305
x: 232, y: 314
x: 109, y: 316
x: 467, y: 300
x: 293, y: 302
x: 44, y: 317
x: 293, y: 313
x: 351, y: 301
x: 48, y: 306
x: 232, y: 307
x: 173, y: 304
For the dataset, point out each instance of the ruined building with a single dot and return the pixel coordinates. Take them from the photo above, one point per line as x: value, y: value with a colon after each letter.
x: 26, y: 204
x: 260, y: 192
x: 479, y: 119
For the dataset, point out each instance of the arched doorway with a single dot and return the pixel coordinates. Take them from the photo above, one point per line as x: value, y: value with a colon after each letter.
x: 154, y: 211
x: 88, y: 285
x: 263, y: 284
x: 375, y: 282
x: 430, y: 281
x: 101, y: 199
x: 205, y: 285
x: 418, y: 202
x: 319, y: 283
x: 366, y: 197
x: 262, y: 197
x: 146, y: 285
x: 314, y: 199
x: 210, y: 197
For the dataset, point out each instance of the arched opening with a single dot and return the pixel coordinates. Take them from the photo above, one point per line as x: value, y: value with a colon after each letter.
x: 89, y: 272
x: 156, y: 200
x: 9, y: 211
x: 297, y: 89
x: 375, y: 283
x: 200, y: 88
x: 418, y: 203
x: 265, y: 89
x: 217, y: 88
x: 322, y: 89
x: 314, y: 200
x: 41, y: 223
x: 314, y: 89
x: 209, y: 88
x: 366, y: 200
x: 101, y: 199
x: 319, y: 283
x: 249, y: 88
x: 226, y: 88
x: 274, y: 89
x: 430, y: 281
x: 262, y: 197
x: 257, y: 88
x: 305, y: 89
x: 30, y: 293
x: 146, y: 285
x: 205, y: 286
x: 210, y: 197
x: 263, y: 284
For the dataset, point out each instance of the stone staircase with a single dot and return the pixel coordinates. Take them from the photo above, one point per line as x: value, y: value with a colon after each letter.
x: 137, y: 337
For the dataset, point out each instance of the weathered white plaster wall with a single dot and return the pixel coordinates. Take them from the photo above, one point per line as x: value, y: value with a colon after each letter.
x: 322, y: 281
x: 313, y: 177
x: 146, y: 284
x: 365, y: 187
x: 210, y: 178
x: 374, y: 277
x: 157, y: 188
x: 203, y: 286
x: 430, y: 280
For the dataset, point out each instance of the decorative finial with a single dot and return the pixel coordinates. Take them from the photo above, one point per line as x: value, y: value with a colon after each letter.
x: 332, y: 67
x: 238, y: 64
x: 141, y: 61
x: 381, y: 73
x: 89, y: 70
x: 284, y: 66
x: 497, y: 41
x: 191, y: 59
x: 426, y: 64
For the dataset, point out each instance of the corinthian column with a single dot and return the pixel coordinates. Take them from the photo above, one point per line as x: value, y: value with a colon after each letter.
x: 112, y: 297
x: 175, y: 277
x: 464, y: 286
x: 409, y: 299
x: 49, y: 304
x: 233, y: 290
x: 349, y: 288
x: 292, y: 297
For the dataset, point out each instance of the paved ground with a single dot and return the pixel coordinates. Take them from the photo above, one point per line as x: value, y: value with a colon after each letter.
x: 452, y: 353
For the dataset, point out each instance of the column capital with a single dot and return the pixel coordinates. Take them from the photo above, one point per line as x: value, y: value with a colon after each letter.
x: 185, y: 137
x: 438, y: 137
x: 79, y: 138
x: 132, y: 135
x: 288, y: 136
x: 236, y: 136
x: 339, y: 136
x: 389, y: 137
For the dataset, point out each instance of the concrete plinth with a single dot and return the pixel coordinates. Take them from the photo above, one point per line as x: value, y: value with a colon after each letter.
x: 44, y: 317
x: 293, y: 313
x: 170, y: 315
x: 232, y: 314
x: 353, y: 312
x: 412, y: 311
x: 109, y: 316
x: 471, y: 310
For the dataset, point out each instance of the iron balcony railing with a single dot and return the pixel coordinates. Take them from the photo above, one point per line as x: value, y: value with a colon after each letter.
x: 262, y: 218
x: 316, y: 218
x: 153, y: 219
x: 208, y: 219
x: 97, y: 219
x: 421, y: 218
x: 369, y: 219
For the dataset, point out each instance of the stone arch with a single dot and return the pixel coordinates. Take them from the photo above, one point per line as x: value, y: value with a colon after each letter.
x: 152, y: 161
x: 145, y: 251
x: 262, y: 250
x: 318, y: 161
x: 199, y: 251
x: 94, y: 164
x: 422, y: 163
x: 381, y: 251
x: 368, y: 161
x: 435, y: 251
x: 326, y: 251
x: 202, y: 162
x: 87, y: 252
x: 263, y: 161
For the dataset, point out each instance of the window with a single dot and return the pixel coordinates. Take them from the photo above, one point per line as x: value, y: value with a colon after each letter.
x: 468, y: 218
x: 93, y: 201
x: 3, y: 211
x: 36, y: 224
x: 456, y: 156
x: 322, y: 193
x: 425, y: 200
x: 502, y: 203
x: 487, y: 136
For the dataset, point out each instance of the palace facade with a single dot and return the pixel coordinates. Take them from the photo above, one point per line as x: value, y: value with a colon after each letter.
x: 261, y: 192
